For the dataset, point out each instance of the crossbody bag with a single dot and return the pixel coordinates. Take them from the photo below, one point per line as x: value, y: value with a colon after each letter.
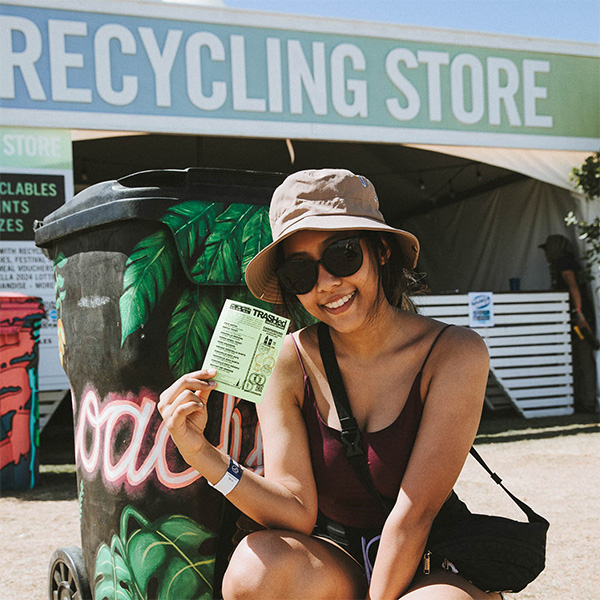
x: 496, y: 554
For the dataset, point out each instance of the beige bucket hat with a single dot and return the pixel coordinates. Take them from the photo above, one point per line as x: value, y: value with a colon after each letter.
x: 323, y: 199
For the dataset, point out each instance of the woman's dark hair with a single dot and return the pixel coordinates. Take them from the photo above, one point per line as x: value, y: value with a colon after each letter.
x: 394, y: 271
x: 395, y: 274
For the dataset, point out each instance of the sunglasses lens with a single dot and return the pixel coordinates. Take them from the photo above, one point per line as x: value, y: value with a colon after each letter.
x: 343, y: 258
x: 298, y: 276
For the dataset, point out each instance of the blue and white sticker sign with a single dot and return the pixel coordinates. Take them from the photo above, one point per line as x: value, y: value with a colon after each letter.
x: 481, y: 309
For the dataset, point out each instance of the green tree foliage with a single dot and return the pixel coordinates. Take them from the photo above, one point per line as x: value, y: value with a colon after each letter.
x: 587, y: 177
x: 587, y: 181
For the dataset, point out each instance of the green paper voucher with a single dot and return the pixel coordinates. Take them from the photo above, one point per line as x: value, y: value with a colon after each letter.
x: 244, y: 348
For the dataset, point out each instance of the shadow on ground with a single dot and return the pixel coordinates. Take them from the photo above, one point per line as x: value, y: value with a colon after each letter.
x: 52, y: 485
x: 510, y: 428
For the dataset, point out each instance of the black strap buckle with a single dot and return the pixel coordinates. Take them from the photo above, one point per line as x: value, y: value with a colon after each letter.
x: 352, y: 442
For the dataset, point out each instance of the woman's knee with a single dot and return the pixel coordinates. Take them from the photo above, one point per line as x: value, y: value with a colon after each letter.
x: 261, y: 566
x: 444, y: 584
x: 281, y: 564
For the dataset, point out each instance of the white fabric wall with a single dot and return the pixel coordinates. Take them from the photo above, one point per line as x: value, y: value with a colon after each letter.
x: 480, y: 243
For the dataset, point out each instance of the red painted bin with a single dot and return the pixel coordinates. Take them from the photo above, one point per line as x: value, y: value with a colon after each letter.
x: 20, y: 321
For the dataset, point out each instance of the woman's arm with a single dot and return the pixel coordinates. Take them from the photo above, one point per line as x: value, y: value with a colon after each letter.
x: 453, y: 389
x: 286, y: 498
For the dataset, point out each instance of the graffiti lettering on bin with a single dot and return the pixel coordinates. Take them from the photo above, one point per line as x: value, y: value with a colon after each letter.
x: 125, y: 439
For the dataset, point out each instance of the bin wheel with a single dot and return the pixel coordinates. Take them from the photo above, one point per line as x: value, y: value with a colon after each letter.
x: 67, y: 577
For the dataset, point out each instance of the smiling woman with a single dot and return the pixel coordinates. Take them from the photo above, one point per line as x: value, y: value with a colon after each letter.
x: 415, y: 390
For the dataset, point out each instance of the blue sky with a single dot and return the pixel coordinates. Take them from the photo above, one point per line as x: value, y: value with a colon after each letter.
x: 576, y: 20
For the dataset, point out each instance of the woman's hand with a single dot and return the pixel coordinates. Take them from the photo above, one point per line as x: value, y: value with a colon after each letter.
x: 183, y: 409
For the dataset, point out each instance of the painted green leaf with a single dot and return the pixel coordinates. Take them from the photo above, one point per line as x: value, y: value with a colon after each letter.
x: 112, y: 578
x: 190, y: 329
x: 222, y: 257
x: 148, y: 272
x: 60, y: 261
x: 191, y: 222
x: 169, y: 551
x: 256, y: 235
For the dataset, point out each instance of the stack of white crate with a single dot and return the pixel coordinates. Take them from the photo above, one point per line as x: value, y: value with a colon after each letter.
x: 529, y: 345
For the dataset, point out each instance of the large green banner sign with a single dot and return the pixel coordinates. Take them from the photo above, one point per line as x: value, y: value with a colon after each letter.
x: 175, y: 68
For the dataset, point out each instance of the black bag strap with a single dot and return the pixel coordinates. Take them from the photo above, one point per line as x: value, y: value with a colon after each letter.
x: 351, y: 436
x: 532, y: 516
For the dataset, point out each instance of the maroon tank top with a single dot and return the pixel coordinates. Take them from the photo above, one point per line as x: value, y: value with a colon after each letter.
x: 341, y: 495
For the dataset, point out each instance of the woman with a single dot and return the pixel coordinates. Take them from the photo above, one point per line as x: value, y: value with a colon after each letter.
x: 415, y: 388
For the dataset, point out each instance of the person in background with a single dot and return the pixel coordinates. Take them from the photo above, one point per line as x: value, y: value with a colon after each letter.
x: 567, y: 276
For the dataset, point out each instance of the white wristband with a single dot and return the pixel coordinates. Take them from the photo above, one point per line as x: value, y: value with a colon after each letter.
x: 230, y: 479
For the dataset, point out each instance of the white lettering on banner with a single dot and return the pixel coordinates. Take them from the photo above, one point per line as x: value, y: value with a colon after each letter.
x: 467, y: 68
x: 458, y: 67
x: 434, y: 61
x: 239, y: 81
x: 102, y: 44
x: 533, y: 92
x: 161, y: 62
x: 498, y: 93
x: 61, y: 61
x: 340, y: 85
x: 18, y: 144
x: 311, y: 78
x: 274, y: 78
x: 392, y: 68
x: 300, y: 75
x: 193, y: 49
x: 24, y: 60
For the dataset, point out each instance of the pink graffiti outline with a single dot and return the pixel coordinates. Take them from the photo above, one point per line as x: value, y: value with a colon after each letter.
x: 124, y: 470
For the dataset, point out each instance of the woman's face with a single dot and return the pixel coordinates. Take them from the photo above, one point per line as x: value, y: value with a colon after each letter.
x: 344, y: 303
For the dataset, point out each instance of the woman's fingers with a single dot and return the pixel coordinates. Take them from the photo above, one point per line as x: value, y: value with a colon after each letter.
x: 182, y: 411
x: 197, y: 381
x: 187, y: 397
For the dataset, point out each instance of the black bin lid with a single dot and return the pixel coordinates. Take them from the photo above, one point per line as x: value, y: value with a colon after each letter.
x: 147, y: 194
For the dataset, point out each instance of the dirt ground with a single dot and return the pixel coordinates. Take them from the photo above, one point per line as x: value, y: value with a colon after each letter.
x: 552, y: 464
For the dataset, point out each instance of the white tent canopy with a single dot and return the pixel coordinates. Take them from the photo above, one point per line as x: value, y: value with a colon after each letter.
x: 550, y: 166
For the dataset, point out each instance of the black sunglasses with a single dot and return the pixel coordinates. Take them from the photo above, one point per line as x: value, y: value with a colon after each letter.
x: 341, y: 258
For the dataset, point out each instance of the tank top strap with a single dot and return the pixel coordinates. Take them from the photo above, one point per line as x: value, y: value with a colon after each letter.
x: 299, y: 356
x: 437, y: 337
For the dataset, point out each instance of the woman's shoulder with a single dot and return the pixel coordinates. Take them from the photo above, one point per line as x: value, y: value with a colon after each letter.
x: 306, y: 339
x: 451, y: 343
